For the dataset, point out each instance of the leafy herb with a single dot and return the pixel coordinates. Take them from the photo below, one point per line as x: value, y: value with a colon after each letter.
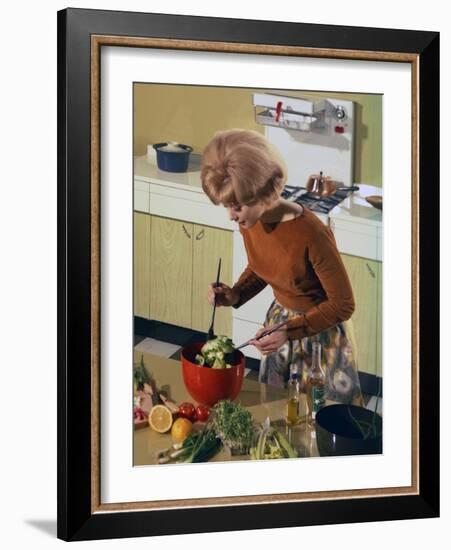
x: 234, y: 425
x: 140, y: 375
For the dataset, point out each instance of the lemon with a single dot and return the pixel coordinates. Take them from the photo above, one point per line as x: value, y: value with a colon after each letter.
x: 181, y: 429
x: 160, y: 419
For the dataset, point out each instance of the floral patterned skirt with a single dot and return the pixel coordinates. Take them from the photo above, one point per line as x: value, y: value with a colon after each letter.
x: 342, y: 379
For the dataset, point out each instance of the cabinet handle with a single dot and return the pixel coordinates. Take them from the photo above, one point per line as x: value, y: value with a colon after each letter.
x: 371, y: 272
x: 200, y: 235
x: 186, y: 231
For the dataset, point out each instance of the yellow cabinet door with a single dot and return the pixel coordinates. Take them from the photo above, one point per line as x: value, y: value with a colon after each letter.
x: 364, y: 275
x: 141, y: 265
x: 171, y: 271
x: 379, y: 320
x: 210, y: 244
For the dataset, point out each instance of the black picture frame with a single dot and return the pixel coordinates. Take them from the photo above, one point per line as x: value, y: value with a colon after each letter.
x: 77, y: 520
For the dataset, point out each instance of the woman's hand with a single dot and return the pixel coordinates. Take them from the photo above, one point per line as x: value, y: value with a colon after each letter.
x: 272, y: 342
x: 225, y: 296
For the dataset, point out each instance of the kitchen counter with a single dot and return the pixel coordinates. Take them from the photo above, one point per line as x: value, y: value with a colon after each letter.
x: 261, y: 400
x: 356, y: 209
x: 357, y: 225
x: 176, y: 195
x: 353, y: 209
x: 146, y: 170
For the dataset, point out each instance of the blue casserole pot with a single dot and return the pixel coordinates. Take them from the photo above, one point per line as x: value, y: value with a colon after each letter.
x: 175, y: 159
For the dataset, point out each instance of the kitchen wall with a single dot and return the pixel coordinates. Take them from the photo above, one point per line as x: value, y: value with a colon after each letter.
x: 191, y: 115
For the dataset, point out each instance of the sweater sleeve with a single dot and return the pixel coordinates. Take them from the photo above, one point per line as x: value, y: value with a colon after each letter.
x: 248, y: 285
x: 339, y: 303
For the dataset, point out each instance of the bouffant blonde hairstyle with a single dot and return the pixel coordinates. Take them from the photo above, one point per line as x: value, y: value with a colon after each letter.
x: 241, y: 167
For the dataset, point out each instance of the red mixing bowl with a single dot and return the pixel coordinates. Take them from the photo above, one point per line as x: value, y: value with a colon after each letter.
x: 207, y: 386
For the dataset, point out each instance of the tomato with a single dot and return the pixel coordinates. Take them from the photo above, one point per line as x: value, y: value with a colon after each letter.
x: 202, y: 413
x: 187, y: 410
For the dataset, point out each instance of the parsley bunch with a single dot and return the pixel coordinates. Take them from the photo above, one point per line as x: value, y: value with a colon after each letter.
x: 234, y: 425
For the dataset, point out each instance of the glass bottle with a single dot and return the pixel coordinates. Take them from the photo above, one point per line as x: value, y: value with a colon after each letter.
x: 293, y: 402
x: 316, y: 384
x: 312, y: 449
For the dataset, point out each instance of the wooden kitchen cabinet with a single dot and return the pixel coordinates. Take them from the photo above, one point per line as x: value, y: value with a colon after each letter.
x: 183, y: 261
x: 171, y: 271
x: 379, y: 341
x: 365, y: 277
x: 209, y: 245
x: 141, y: 265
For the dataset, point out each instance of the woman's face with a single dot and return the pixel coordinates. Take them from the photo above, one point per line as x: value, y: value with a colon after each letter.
x: 246, y: 216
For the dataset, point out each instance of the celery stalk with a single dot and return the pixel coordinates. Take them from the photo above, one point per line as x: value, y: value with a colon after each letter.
x: 285, y: 445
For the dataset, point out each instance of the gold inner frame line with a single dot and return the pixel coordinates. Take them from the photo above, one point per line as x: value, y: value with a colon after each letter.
x: 97, y: 41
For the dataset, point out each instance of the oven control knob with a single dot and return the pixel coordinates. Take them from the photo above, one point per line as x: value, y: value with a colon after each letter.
x: 340, y: 113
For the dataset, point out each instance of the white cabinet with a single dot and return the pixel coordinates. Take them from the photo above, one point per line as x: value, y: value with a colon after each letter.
x: 243, y: 331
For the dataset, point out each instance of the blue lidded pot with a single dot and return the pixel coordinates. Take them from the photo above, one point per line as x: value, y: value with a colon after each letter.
x: 172, y: 156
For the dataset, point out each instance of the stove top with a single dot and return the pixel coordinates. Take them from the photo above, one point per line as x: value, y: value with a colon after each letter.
x: 321, y: 205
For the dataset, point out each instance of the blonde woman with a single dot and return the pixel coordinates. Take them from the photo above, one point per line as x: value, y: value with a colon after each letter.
x: 290, y: 249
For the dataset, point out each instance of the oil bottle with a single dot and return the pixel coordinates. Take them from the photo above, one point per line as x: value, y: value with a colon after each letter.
x: 316, y: 384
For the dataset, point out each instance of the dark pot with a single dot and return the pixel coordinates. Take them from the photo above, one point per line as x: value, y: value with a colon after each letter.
x: 337, y: 434
x: 175, y: 160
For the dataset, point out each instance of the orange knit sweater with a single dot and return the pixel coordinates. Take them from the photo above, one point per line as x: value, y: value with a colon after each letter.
x: 300, y: 260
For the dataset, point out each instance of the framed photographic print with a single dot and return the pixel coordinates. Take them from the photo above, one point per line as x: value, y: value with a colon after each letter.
x: 248, y: 274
